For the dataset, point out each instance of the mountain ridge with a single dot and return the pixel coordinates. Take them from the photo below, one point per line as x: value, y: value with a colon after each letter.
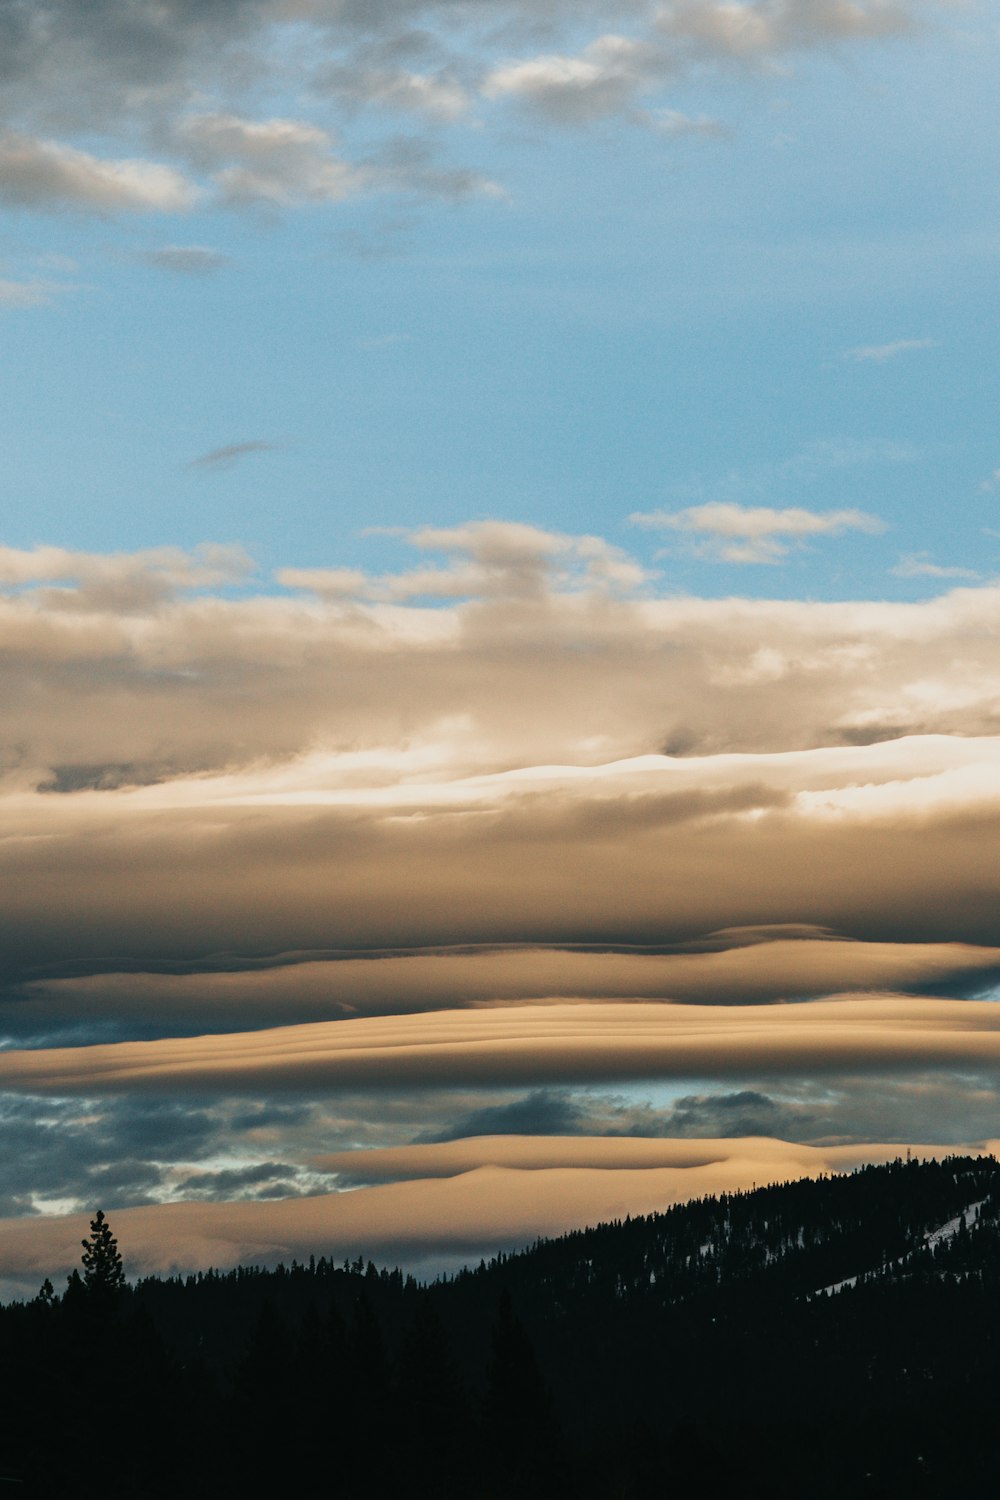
x: 825, y: 1336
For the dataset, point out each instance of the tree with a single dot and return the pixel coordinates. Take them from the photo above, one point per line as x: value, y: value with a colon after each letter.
x: 103, y: 1274
x: 518, y: 1427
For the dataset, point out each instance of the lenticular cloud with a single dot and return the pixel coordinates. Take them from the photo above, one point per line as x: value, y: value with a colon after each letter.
x: 506, y: 820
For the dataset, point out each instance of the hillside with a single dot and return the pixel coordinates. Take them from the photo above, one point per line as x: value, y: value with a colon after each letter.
x: 829, y: 1337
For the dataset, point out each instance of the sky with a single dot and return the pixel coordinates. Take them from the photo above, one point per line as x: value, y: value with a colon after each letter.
x: 499, y: 613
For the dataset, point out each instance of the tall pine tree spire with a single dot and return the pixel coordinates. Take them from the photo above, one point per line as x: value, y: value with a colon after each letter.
x: 103, y: 1274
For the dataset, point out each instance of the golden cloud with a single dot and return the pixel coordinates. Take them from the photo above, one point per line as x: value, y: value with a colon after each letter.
x: 483, y: 1196
x: 743, y: 967
x: 528, y: 1044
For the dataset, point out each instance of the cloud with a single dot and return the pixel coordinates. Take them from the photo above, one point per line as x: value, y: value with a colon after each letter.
x: 33, y: 293
x: 880, y: 353
x: 64, y: 1152
x: 230, y: 811
x: 755, y: 534
x: 921, y: 565
x: 346, y: 769
x: 430, y: 1223
x: 38, y: 173
x: 818, y: 1112
x: 731, y: 969
x: 542, y: 1112
x: 440, y: 95
x: 758, y: 31
x: 510, y: 558
x: 531, y: 1044
x: 534, y: 1153
x: 332, y: 583
x: 611, y: 73
x: 410, y: 165
x: 493, y: 559
x: 126, y: 584
x: 231, y: 453
x: 672, y: 122
x: 193, y: 84
x: 602, y: 80
x: 273, y: 162
x: 187, y: 260
x: 143, y: 75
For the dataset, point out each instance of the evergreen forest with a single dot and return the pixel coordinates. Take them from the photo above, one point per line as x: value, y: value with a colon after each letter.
x: 832, y: 1337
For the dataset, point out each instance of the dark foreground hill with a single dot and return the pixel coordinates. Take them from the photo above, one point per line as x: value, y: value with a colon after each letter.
x: 838, y: 1337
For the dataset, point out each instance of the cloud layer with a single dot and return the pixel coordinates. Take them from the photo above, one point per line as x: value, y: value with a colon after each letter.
x: 308, y: 879
x: 492, y: 1194
x: 527, y: 1044
x: 142, y: 78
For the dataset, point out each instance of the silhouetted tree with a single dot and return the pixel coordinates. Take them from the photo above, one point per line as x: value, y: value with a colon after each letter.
x: 103, y: 1273
x: 433, y: 1419
x: 518, y: 1425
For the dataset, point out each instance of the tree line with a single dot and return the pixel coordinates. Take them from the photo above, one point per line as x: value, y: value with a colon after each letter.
x: 639, y: 1358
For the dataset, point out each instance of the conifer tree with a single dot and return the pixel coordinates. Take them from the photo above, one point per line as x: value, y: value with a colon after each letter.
x: 103, y: 1273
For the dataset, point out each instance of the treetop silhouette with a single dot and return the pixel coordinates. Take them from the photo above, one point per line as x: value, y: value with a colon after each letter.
x: 103, y: 1273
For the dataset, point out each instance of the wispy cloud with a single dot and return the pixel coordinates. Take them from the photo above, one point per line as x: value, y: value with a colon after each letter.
x: 231, y: 453
x: 734, y: 533
x: 187, y: 260
x: 273, y: 162
x: 922, y: 565
x: 879, y: 354
x: 31, y: 293
x: 39, y: 173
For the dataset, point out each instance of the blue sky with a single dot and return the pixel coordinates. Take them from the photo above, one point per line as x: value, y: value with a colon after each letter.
x: 783, y: 296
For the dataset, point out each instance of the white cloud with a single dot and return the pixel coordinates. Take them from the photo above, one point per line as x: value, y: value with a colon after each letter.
x: 38, y: 173
x: 921, y: 565
x: 438, y: 95
x: 609, y: 74
x: 332, y: 583
x: 487, y: 560
x: 758, y: 29
x: 672, y: 122
x: 602, y: 80
x: 879, y: 353
x: 755, y: 534
x: 129, y: 583
x: 33, y: 293
x: 276, y: 161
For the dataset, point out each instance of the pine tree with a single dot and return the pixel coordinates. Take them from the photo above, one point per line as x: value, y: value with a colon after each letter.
x: 103, y: 1274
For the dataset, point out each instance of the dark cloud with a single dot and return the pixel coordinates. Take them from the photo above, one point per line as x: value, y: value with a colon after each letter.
x: 108, y: 1151
x: 103, y: 778
x: 187, y: 260
x: 542, y: 1112
x: 927, y: 1106
x: 104, y: 1002
x: 264, y: 1179
x: 224, y: 458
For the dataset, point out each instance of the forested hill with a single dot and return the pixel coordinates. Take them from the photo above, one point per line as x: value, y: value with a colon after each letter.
x: 832, y: 1337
